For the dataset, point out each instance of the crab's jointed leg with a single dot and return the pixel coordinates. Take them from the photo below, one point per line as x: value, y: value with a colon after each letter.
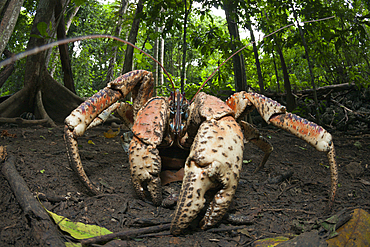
x: 274, y: 113
x: 139, y: 81
x: 252, y: 135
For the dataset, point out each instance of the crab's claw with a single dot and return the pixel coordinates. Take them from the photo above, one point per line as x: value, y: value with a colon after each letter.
x: 215, y: 161
x: 145, y: 162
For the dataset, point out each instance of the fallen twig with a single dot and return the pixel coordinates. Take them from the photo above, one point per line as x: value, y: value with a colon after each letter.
x: 225, y: 229
x: 125, y: 234
x: 288, y: 209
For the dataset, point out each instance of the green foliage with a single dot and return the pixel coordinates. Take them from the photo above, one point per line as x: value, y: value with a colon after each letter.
x: 339, y: 48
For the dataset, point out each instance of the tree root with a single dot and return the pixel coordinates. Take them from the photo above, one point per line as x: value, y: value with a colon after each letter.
x: 45, y: 231
x: 22, y: 121
x: 41, y: 109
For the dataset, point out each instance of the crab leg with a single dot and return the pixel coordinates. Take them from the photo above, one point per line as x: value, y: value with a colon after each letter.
x: 253, y: 135
x: 139, y: 81
x: 273, y: 112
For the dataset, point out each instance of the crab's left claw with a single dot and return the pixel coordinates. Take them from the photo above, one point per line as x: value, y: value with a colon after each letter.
x: 214, y: 162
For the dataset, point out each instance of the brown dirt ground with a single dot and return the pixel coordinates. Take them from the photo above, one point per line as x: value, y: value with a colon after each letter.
x: 286, y: 208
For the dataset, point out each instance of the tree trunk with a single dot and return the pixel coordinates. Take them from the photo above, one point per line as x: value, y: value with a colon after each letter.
x: 184, y: 45
x: 155, y: 65
x: 2, y: 5
x: 8, y: 70
x: 41, y: 94
x: 117, y: 32
x: 69, y: 22
x: 257, y: 60
x: 290, y: 100
x: 8, y: 22
x: 238, y: 59
x: 161, y: 59
x: 127, y: 65
x: 276, y: 72
x: 309, y: 66
x: 63, y: 49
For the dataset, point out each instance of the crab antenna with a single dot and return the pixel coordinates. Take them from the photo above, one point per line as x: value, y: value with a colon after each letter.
x: 69, y: 40
x: 204, y: 83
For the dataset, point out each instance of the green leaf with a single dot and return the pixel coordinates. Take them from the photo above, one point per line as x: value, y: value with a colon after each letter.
x: 42, y: 171
x: 42, y: 26
x: 70, y: 244
x: 36, y: 36
x: 270, y: 241
x: 78, y: 230
x: 148, y: 46
x: 358, y: 145
x: 79, y: 2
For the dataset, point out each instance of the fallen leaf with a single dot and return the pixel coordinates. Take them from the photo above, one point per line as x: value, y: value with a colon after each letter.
x: 245, y: 231
x: 168, y: 176
x: 357, y: 144
x: 355, y: 232
x: 5, y: 133
x: 110, y: 133
x: 78, y: 230
x: 90, y: 142
x: 269, y: 241
x: 70, y: 244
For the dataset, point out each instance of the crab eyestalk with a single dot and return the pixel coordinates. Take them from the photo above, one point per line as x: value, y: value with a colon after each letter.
x: 178, y: 109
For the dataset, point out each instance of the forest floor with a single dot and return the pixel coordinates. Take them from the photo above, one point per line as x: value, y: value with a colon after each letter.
x: 287, y: 208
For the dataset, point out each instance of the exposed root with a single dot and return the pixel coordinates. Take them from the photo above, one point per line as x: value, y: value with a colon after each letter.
x: 41, y: 109
x: 22, y: 121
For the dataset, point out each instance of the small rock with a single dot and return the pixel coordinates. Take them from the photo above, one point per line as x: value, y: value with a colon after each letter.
x: 354, y: 169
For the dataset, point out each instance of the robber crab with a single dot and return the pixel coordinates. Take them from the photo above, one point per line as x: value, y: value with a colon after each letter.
x: 207, y: 126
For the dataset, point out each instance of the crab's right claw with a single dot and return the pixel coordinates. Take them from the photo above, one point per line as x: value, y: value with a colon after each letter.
x: 214, y: 162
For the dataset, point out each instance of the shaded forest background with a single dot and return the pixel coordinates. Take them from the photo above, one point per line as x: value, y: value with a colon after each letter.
x: 191, y: 41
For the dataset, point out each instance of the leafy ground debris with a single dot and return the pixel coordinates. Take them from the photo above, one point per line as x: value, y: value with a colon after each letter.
x: 287, y: 208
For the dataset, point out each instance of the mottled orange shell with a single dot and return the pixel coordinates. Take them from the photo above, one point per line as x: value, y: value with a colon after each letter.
x: 151, y: 121
x: 238, y: 102
x: 212, y: 107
